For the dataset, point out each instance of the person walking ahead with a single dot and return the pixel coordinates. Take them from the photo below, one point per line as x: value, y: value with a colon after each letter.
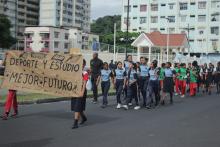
x: 96, y: 66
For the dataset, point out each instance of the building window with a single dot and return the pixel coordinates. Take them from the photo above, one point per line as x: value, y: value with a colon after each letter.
x: 215, y: 30
x: 171, y: 19
x: 134, y: 17
x: 201, y: 18
x: 66, y: 45
x: 183, y: 6
x: 171, y: 30
x: 135, y: 6
x: 215, y: 4
x: 154, y: 7
x: 134, y: 30
x: 163, y: 5
x: 66, y: 36
x: 154, y: 19
x: 162, y: 29
x: 153, y: 29
x: 183, y: 18
x: 215, y: 44
x: 56, y: 44
x: 126, y: 8
x: 171, y: 6
x: 143, y: 20
x: 56, y: 34
x: 215, y: 17
x: 202, y: 5
x: 143, y: 8
x: 192, y: 3
x: 125, y: 21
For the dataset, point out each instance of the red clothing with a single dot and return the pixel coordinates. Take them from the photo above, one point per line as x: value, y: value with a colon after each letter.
x: 182, y: 84
x: 11, y: 100
x: 193, y: 87
x: 177, y: 85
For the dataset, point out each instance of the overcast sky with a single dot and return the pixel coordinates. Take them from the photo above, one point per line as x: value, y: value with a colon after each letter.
x: 105, y: 7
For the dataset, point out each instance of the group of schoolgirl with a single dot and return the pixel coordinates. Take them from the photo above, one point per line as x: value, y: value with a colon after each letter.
x: 147, y: 85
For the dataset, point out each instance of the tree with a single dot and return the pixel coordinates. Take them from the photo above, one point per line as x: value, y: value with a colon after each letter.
x: 105, y: 25
x: 6, y: 40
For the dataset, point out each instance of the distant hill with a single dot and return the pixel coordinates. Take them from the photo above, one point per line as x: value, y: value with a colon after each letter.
x: 105, y: 25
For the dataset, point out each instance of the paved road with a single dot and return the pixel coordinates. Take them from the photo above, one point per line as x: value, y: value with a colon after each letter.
x: 190, y: 122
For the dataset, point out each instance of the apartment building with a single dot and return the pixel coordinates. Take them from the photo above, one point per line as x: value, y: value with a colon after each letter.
x: 52, y: 39
x: 68, y: 13
x: 199, y: 19
x: 21, y: 13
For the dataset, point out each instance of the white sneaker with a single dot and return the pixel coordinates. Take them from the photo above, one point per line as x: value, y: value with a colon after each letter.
x: 126, y: 107
x: 176, y: 94
x: 130, y: 104
x: 118, y: 106
x: 137, y: 107
x: 182, y: 96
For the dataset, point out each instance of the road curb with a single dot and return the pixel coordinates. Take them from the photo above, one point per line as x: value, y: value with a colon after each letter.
x: 49, y: 100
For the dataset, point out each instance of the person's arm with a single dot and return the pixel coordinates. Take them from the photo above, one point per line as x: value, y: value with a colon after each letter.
x: 85, y: 79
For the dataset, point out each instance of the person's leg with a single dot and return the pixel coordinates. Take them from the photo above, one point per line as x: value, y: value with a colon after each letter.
x: 106, y: 90
x: 191, y: 89
x: 8, y: 104
x: 134, y: 94
x: 119, y: 88
x: 103, y: 92
x: 83, y: 117
x: 177, y: 86
x: 76, y: 119
x: 15, y: 103
x: 171, y: 97
x: 94, y: 87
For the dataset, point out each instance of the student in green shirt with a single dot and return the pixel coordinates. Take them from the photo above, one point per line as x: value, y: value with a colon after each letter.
x: 193, y: 80
x: 182, y: 79
x: 162, y: 75
x: 177, y: 86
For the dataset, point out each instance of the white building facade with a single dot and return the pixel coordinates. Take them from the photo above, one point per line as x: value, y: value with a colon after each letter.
x: 68, y: 13
x: 199, y: 19
x: 46, y: 39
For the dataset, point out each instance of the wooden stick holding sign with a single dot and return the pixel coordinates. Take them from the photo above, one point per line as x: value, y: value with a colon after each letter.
x: 50, y: 73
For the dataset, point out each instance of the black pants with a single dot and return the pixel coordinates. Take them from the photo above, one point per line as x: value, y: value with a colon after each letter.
x: 105, y: 88
x: 94, y: 86
x: 119, y: 88
x: 132, y: 93
x: 153, y: 87
x: 143, y: 81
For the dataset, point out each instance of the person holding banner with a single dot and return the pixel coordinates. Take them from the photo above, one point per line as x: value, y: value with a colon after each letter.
x: 78, y: 105
x: 10, y: 101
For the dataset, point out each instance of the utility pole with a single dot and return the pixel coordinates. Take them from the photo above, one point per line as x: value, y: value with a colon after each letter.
x: 127, y: 38
x: 115, y: 25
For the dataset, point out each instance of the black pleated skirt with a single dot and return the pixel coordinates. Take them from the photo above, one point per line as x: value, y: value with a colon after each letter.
x: 168, y: 85
x: 79, y: 104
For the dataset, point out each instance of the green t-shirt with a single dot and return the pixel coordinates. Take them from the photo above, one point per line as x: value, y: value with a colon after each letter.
x: 177, y: 71
x: 193, y: 77
x: 162, y: 76
x: 183, y: 73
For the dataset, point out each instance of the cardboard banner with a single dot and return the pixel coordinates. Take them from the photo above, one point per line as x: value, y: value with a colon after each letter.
x: 49, y: 73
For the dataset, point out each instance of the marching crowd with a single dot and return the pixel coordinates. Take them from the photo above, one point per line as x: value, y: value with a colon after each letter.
x: 147, y: 85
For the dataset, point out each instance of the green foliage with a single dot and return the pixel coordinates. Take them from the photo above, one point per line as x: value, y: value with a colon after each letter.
x: 6, y: 39
x: 105, y: 25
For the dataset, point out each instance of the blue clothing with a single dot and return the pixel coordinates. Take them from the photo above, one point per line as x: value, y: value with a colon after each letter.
x: 120, y: 74
x: 144, y: 71
x: 132, y: 76
x: 168, y: 72
x: 105, y: 75
x: 153, y: 74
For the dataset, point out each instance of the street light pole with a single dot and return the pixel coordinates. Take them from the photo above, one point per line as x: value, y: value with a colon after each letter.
x: 126, y: 49
x: 168, y: 37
